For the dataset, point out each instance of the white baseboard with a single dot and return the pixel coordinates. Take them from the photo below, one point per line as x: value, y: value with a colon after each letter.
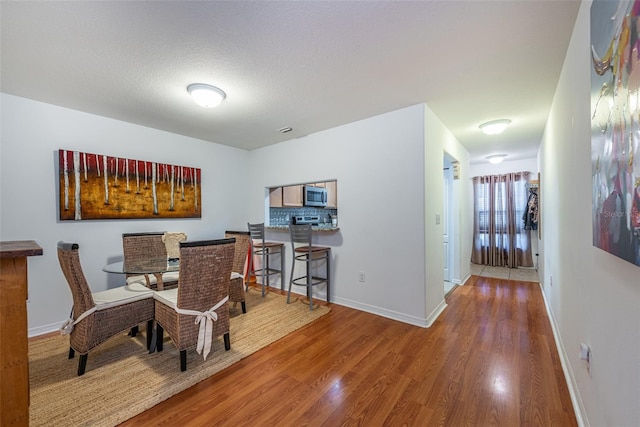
x: 463, y: 281
x: 44, y: 329
x: 394, y: 315
x: 576, y: 400
x: 435, y: 313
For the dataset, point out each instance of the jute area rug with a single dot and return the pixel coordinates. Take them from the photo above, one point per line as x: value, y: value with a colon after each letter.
x: 123, y: 380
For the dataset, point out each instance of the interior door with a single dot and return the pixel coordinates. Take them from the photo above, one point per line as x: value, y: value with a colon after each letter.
x: 446, y: 222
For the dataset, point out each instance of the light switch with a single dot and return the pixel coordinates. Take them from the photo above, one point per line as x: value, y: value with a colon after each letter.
x: 437, y: 218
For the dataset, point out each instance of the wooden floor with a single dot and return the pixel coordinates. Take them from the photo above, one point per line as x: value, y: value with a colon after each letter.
x: 490, y: 359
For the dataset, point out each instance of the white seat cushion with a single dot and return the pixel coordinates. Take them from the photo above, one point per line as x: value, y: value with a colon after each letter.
x: 121, y: 295
x: 140, y: 279
x: 168, y: 297
x: 170, y: 276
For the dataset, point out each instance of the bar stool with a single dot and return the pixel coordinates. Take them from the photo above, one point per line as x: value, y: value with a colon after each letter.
x: 264, y: 250
x: 304, y: 251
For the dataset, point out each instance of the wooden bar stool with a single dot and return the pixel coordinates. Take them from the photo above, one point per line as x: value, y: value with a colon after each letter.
x: 263, y: 249
x: 304, y: 251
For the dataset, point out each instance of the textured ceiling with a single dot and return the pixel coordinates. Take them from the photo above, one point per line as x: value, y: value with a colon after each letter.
x: 311, y: 65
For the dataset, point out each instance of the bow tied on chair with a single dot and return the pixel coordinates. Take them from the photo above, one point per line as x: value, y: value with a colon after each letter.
x: 205, y: 320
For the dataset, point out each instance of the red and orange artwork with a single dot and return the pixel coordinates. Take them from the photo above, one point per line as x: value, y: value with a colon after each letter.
x: 97, y: 186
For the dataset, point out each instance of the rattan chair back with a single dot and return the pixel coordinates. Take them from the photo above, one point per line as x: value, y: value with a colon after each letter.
x: 69, y: 259
x: 205, y: 269
x: 137, y: 247
x: 241, y: 249
x: 237, y: 284
x: 104, y: 323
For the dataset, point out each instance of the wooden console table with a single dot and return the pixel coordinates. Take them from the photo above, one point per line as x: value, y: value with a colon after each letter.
x: 14, y: 357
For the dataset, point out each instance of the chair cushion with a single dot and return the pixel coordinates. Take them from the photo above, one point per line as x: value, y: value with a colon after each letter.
x: 170, y: 276
x: 121, y: 295
x: 141, y: 280
x: 168, y: 297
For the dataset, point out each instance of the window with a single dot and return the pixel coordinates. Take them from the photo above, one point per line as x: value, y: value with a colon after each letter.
x: 500, y: 202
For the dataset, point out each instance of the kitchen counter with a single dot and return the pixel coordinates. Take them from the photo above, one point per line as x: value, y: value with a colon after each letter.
x: 322, y: 228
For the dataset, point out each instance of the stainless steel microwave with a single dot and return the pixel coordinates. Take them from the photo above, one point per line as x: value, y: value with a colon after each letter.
x: 315, y: 196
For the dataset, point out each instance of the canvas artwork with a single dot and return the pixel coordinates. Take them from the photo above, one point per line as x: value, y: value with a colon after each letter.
x: 615, y: 127
x: 97, y: 186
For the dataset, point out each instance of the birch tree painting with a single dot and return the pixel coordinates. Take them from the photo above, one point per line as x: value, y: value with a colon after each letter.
x: 91, y: 188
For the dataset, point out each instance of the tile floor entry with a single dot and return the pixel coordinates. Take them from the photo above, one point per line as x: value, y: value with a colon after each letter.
x: 521, y: 273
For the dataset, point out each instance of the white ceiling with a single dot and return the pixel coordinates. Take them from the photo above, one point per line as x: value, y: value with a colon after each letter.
x: 311, y: 65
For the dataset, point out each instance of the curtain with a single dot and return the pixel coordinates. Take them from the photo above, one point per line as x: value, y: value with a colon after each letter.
x: 499, y: 234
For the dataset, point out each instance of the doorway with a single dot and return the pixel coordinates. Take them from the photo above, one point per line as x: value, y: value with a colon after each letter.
x: 447, y: 225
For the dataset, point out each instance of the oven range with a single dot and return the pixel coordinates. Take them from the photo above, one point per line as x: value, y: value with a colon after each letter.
x: 306, y: 219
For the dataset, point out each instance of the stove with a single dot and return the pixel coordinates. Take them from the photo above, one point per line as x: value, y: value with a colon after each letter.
x: 307, y: 219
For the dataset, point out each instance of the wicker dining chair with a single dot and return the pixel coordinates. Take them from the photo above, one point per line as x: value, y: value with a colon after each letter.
x: 236, y: 285
x: 203, y: 292
x: 99, y: 316
x: 138, y: 247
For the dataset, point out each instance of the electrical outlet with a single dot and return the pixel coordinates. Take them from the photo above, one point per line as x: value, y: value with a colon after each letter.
x: 585, y: 354
x: 362, y: 277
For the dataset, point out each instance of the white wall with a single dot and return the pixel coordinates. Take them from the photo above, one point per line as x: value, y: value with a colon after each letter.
x: 389, y: 173
x: 522, y: 165
x: 440, y: 141
x: 32, y: 132
x: 595, y: 296
x: 378, y: 163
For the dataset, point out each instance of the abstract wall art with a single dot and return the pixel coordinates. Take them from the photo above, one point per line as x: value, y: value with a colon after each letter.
x: 98, y: 186
x: 615, y: 127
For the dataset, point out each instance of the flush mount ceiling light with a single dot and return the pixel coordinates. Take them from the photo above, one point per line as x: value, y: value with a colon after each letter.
x: 496, y: 158
x: 495, y: 127
x: 206, y: 95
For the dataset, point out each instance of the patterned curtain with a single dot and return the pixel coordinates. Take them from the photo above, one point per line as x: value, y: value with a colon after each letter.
x: 499, y: 234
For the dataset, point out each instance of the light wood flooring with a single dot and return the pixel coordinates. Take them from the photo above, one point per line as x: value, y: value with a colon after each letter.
x: 522, y: 273
x: 489, y: 359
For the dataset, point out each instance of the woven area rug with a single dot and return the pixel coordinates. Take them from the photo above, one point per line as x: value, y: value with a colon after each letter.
x: 123, y: 380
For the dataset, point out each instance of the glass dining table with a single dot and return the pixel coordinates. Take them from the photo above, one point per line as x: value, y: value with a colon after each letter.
x: 156, y: 267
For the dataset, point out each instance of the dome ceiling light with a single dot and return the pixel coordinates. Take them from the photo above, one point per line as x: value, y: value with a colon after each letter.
x: 495, y: 127
x: 496, y: 158
x: 206, y: 95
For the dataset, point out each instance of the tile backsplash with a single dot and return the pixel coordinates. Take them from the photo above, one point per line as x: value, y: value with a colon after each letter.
x: 282, y: 216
